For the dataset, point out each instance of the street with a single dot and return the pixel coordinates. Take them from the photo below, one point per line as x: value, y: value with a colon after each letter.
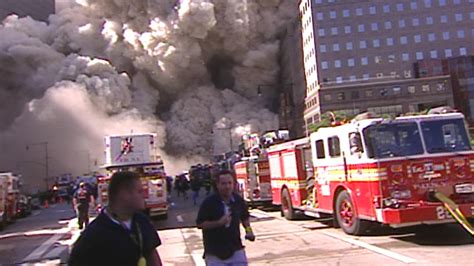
x: 46, y: 235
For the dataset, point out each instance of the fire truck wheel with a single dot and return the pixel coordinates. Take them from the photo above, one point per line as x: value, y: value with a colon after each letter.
x: 287, y: 205
x: 347, y: 217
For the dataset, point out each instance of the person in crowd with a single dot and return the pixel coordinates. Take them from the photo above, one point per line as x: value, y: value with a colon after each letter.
x: 81, y: 203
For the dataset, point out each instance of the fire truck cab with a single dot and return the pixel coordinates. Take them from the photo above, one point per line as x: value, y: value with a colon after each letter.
x: 381, y: 170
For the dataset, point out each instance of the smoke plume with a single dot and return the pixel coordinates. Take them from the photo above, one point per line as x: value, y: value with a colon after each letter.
x: 187, y: 70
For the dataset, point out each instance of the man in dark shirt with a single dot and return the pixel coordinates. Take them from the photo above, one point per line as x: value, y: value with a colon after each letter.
x: 81, y: 201
x: 120, y: 235
x: 219, y: 217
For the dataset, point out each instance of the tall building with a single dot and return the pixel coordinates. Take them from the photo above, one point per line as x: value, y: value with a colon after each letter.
x: 292, y: 80
x: 37, y: 9
x: 362, y: 55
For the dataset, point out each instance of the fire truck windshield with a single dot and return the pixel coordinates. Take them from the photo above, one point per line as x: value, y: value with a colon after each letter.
x: 393, y: 140
x: 445, y: 135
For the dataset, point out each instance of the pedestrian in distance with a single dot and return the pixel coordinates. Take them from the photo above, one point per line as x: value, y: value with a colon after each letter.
x: 121, y: 234
x: 195, y: 187
x: 81, y: 203
x: 219, y: 218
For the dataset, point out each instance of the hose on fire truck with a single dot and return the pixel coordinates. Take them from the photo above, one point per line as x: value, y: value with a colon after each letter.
x: 454, y: 210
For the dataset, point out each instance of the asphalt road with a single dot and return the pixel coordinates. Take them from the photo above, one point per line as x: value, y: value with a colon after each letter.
x: 38, y: 237
x: 46, y: 235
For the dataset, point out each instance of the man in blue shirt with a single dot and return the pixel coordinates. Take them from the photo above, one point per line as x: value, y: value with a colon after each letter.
x: 219, y: 217
x: 121, y: 234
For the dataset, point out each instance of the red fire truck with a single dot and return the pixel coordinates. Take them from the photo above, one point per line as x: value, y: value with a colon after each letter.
x: 253, y: 171
x: 136, y: 153
x: 253, y: 178
x: 398, y: 172
x: 9, y: 196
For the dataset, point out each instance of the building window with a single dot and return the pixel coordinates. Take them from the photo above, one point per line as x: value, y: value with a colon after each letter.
x: 415, y: 22
x: 352, y: 78
x: 401, y: 23
x: 321, y: 32
x: 456, y: 2
x: 442, y: 2
x: 324, y: 65
x: 400, y: 7
x: 347, y: 29
x: 429, y: 21
x: 444, y: 19
x: 405, y: 56
x: 341, y: 96
x: 320, y: 16
x: 414, y: 5
x: 376, y: 43
x: 338, y: 79
x: 337, y: 64
x: 403, y: 40
x: 334, y: 30
x: 346, y: 13
x: 431, y: 37
x: 460, y: 34
x: 362, y: 44
x: 349, y: 46
x: 388, y: 25
x: 472, y: 15
x: 386, y: 8
x: 448, y: 52
x: 372, y: 10
x: 383, y: 92
x: 462, y: 51
x: 411, y: 89
x: 323, y: 48
x: 359, y: 12
x: 391, y: 58
x: 351, y: 62
x: 427, y: 3
x: 434, y: 54
x: 446, y: 35
x: 361, y: 28
x: 419, y: 55
x: 390, y: 41
x: 374, y: 26
x: 335, y: 47
x: 458, y: 17
x: 369, y: 93
x: 440, y: 87
x: 425, y: 88
x: 365, y: 77
x: 332, y: 14
x: 417, y: 38
x: 364, y: 61
x: 378, y: 59
x: 397, y: 90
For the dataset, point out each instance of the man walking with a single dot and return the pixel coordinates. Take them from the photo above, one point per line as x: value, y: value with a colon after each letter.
x: 219, y: 217
x: 82, y: 199
x: 121, y: 234
x: 195, y: 187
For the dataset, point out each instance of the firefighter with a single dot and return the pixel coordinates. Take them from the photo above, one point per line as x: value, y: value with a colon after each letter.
x: 81, y: 201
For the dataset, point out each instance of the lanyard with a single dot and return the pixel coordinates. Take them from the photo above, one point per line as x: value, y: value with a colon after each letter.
x: 138, y: 242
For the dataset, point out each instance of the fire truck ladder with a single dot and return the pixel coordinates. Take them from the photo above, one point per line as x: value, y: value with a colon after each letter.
x: 454, y: 210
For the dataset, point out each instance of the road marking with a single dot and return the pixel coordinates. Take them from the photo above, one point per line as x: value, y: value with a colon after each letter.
x: 179, y: 218
x: 382, y: 251
x: 38, y: 252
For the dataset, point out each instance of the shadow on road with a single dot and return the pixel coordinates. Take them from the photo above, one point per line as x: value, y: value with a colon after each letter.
x: 439, y: 235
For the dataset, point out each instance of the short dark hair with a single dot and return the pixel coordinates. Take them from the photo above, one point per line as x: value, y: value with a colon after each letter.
x: 224, y: 172
x: 119, y: 181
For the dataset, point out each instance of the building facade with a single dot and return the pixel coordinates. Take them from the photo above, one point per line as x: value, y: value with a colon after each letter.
x: 292, y: 80
x: 360, y: 44
x: 37, y: 9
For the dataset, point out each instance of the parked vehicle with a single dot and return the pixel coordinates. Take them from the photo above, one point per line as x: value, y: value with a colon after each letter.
x: 24, y: 207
